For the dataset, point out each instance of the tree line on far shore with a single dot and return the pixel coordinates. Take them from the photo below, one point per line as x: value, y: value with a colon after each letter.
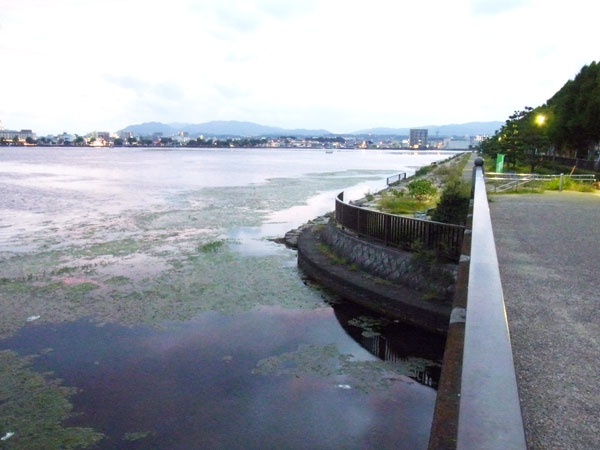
x: 568, y: 124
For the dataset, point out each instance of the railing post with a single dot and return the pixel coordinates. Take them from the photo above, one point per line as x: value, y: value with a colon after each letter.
x: 477, y: 163
x: 560, y: 184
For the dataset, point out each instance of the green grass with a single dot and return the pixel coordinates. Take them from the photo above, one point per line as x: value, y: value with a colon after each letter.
x: 424, y: 170
x: 568, y: 185
x: 333, y: 258
x: 396, y: 204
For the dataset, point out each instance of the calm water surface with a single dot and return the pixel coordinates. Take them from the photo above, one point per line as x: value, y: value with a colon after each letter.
x: 146, y: 280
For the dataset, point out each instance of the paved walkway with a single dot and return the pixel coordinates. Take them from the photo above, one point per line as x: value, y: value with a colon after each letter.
x: 549, y: 253
x: 467, y: 174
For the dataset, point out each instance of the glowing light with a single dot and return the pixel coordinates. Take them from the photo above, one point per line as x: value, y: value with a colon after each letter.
x: 540, y: 119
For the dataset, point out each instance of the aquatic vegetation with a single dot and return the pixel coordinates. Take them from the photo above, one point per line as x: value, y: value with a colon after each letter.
x: 137, y: 435
x: 162, y: 264
x: 119, y: 280
x: 326, y: 361
x: 211, y: 247
x: 371, y: 326
x: 34, y: 407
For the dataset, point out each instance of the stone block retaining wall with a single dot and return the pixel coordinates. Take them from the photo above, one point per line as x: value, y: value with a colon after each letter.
x: 390, y: 264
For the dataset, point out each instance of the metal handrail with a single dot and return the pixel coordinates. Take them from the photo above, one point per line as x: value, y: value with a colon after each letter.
x: 535, y: 176
x: 395, y: 178
x: 398, y: 231
x: 489, y: 413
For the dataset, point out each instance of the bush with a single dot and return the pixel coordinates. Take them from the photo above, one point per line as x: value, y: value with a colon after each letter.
x: 421, y: 189
x: 454, y: 203
x: 424, y: 171
x: 398, y: 204
x: 568, y: 185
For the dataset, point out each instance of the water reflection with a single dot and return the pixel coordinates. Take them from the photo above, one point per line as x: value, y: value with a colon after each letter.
x: 192, y: 385
x: 394, y: 341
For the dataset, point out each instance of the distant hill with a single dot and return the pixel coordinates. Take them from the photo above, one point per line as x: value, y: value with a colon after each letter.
x: 220, y: 128
x: 471, y: 129
x: 231, y: 128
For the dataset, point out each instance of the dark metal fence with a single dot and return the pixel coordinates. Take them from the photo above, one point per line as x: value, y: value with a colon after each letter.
x: 396, y: 178
x: 399, y: 231
x: 584, y: 164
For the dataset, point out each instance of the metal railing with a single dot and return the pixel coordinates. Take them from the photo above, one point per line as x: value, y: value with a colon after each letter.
x: 478, y: 401
x: 396, y: 178
x: 510, y: 181
x: 400, y: 231
x: 534, y: 176
x: 585, y: 164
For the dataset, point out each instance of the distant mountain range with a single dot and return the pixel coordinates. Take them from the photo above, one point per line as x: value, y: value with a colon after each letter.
x: 235, y: 128
x: 220, y: 128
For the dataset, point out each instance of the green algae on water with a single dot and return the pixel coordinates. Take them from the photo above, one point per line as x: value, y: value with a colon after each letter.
x: 137, y: 435
x: 118, y: 280
x: 34, y: 407
x: 326, y: 361
x: 370, y: 325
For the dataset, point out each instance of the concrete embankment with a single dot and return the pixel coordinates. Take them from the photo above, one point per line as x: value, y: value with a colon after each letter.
x: 387, y: 298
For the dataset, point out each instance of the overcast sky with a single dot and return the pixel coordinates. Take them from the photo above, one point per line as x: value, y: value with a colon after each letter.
x: 343, y: 65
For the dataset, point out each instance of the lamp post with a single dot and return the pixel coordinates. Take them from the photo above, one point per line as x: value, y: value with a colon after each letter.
x: 540, y: 119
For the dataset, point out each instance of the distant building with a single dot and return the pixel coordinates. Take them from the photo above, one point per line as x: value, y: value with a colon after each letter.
x: 100, y: 135
x: 418, y: 138
x: 457, y: 143
x: 125, y: 134
x: 20, y: 135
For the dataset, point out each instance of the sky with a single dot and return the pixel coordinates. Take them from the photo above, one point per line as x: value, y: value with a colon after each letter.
x: 341, y: 65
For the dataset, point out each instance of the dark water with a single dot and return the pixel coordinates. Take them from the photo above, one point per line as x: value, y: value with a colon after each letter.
x: 155, y: 293
x: 193, y: 385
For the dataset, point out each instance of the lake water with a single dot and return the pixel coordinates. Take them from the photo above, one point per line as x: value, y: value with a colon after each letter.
x: 145, y: 281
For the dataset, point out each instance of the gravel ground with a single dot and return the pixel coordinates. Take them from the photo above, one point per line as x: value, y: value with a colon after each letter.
x: 549, y: 253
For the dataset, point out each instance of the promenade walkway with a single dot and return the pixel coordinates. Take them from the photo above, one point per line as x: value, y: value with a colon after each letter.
x: 549, y: 253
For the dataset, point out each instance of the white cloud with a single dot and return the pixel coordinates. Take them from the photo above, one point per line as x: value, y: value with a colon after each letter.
x: 84, y: 65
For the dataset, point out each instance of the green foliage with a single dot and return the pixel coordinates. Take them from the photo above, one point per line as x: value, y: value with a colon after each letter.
x: 575, y: 109
x: 430, y: 264
x: 453, y: 206
x: 396, y: 203
x: 422, y: 189
x: 424, y: 170
x: 568, y: 185
x: 333, y: 257
x: 571, y: 124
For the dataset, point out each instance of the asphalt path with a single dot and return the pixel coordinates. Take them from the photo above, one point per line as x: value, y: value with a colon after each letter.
x: 549, y: 254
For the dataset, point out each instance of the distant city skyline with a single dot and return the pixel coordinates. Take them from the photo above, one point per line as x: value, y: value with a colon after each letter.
x: 85, y: 65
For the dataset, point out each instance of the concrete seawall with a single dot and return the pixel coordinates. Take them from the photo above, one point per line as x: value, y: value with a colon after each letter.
x: 394, y: 300
x: 391, y: 264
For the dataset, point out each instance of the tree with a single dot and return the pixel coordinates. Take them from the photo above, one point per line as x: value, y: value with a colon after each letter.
x: 571, y: 126
x: 576, y: 107
x: 29, y: 140
x: 522, y: 138
x: 79, y: 141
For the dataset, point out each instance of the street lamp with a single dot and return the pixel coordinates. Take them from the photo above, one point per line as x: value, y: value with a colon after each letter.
x: 540, y: 119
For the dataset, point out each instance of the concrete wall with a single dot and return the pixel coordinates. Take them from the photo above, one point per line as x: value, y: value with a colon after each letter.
x: 391, y: 264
